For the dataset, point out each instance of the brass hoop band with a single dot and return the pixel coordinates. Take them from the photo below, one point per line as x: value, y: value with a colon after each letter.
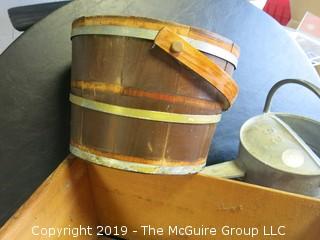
x: 144, y: 114
x: 133, y: 166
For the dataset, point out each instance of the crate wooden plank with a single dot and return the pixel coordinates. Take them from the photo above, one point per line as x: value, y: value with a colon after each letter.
x: 133, y: 199
x: 71, y: 197
x: 63, y: 200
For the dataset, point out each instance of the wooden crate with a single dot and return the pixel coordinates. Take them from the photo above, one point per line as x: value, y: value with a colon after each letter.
x: 79, y: 193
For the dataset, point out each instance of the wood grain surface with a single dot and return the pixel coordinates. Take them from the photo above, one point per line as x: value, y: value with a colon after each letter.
x: 133, y: 200
x: 80, y: 193
x: 63, y: 200
x: 199, y: 63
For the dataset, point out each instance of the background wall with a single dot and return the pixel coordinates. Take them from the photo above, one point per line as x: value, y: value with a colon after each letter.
x: 7, y: 32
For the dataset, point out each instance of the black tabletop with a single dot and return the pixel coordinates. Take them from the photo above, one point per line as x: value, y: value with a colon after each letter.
x: 35, y: 72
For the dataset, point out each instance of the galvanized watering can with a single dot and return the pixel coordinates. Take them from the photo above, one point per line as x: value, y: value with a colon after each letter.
x: 278, y: 150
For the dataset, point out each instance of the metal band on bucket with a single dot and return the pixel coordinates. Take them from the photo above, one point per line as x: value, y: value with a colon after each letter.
x: 133, y: 166
x: 150, y: 34
x: 144, y: 114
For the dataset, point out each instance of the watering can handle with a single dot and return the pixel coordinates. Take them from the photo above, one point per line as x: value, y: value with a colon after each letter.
x: 199, y: 63
x: 310, y: 86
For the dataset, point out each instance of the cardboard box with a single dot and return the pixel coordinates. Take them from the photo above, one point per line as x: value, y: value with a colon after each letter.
x: 299, y: 8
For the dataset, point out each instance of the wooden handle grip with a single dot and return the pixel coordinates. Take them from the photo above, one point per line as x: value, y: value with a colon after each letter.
x: 192, y: 58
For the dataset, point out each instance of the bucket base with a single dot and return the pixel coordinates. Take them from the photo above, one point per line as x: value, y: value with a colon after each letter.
x: 135, y: 167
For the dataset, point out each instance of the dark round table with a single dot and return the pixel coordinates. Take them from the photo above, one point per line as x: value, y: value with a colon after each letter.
x: 35, y: 72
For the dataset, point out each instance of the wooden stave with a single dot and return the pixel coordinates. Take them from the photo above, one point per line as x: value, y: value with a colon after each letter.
x: 130, y: 138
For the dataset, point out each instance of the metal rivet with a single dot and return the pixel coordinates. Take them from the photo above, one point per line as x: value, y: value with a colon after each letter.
x: 176, y: 47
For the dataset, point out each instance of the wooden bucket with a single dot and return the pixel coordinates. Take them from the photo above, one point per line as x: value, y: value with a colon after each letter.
x: 146, y: 94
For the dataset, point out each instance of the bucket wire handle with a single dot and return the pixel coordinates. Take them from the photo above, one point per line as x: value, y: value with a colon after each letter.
x: 310, y: 86
x: 199, y: 63
x: 266, y: 109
